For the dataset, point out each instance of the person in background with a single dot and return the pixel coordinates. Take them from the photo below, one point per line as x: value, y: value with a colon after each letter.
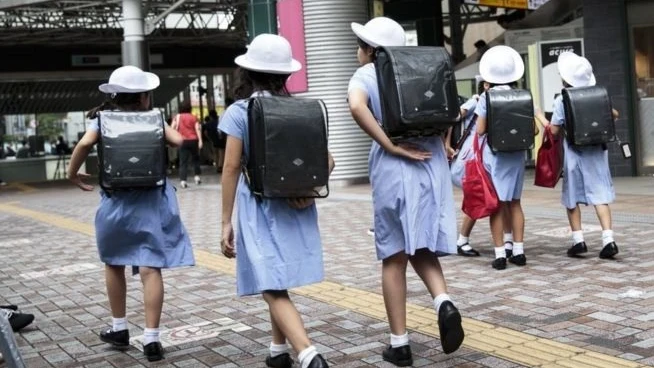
x: 191, y: 130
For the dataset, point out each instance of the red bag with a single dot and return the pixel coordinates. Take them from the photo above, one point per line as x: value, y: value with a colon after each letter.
x: 479, y: 196
x: 549, y: 163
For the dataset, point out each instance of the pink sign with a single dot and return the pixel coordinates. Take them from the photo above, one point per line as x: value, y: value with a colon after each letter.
x: 290, y: 25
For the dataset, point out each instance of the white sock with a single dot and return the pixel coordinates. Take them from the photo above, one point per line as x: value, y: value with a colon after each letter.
x: 508, y: 238
x: 607, y: 236
x: 119, y: 324
x: 463, y: 243
x: 307, y: 355
x: 577, y: 237
x: 518, y: 248
x: 401, y: 340
x: 150, y: 335
x: 440, y: 299
x: 500, y: 252
x: 278, y: 349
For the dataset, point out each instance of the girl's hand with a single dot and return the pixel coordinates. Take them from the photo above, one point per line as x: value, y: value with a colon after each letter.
x: 300, y: 203
x: 410, y: 151
x: 227, y: 241
x: 200, y: 145
x: 77, y: 180
x: 451, y: 152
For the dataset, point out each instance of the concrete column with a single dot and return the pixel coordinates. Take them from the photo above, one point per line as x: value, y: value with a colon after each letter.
x: 456, y: 32
x: 134, y: 47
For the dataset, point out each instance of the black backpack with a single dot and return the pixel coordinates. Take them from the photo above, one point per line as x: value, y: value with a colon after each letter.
x: 588, y: 116
x: 510, y: 120
x: 417, y: 90
x: 288, y: 147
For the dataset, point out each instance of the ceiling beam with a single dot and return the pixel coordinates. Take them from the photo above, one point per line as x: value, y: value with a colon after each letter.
x: 8, y: 4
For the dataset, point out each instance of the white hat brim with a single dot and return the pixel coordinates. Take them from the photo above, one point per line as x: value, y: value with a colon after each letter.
x: 248, y: 64
x: 565, y: 63
x: 488, y: 76
x: 151, y: 84
x: 360, y: 31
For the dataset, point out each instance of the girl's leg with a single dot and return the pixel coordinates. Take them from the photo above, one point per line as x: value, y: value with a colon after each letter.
x: 427, y: 266
x: 517, y: 218
x: 289, y: 324
x: 116, y: 290
x: 463, y: 244
x: 394, y: 290
x: 610, y: 249
x: 153, y: 297
x: 497, y: 232
x: 578, y: 243
x: 508, y: 231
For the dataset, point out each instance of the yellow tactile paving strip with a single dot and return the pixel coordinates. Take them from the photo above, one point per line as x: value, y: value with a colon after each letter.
x: 500, y: 342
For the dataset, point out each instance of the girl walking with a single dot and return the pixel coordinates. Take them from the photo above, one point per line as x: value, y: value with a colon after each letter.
x: 191, y: 130
x: 586, y: 177
x: 277, y: 245
x: 138, y: 227
x: 413, y: 202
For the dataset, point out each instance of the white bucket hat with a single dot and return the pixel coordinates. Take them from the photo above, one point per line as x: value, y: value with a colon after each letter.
x: 380, y: 31
x: 576, y: 70
x: 269, y: 53
x: 130, y: 79
x: 501, y: 65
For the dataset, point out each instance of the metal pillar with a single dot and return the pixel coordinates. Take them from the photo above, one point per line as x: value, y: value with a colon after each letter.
x: 430, y: 30
x: 134, y: 47
x: 456, y: 33
x: 262, y: 17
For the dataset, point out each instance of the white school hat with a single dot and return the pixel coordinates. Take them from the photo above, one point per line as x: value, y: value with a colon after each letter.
x: 130, y: 79
x: 269, y: 53
x: 380, y: 31
x: 576, y: 70
x: 501, y: 65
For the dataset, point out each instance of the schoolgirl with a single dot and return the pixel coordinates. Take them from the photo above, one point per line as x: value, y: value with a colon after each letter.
x: 586, y: 174
x: 141, y: 227
x: 278, y: 244
x: 413, y: 202
x: 502, y: 66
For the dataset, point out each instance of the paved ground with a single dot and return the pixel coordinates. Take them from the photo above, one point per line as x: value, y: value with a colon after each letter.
x: 556, y: 311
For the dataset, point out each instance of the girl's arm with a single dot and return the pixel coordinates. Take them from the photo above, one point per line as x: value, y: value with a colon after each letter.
x: 80, y: 153
x: 231, y: 172
x: 198, y: 131
x: 175, y: 124
x: 540, y: 117
x: 358, y: 101
x: 481, y: 125
x: 332, y: 163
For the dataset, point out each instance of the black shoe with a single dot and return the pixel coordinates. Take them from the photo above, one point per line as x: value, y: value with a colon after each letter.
x: 18, y: 321
x: 519, y: 260
x: 119, y: 339
x: 577, y: 249
x: 609, y: 251
x: 499, y: 263
x: 153, y: 351
x: 318, y: 362
x: 10, y: 306
x: 371, y: 231
x: 400, y: 356
x: 466, y: 253
x: 280, y: 361
x: 449, y: 327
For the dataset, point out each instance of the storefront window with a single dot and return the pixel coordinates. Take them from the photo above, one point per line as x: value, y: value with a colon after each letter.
x: 644, y: 60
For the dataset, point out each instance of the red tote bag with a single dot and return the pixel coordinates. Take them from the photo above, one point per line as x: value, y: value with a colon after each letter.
x: 479, y: 196
x: 549, y: 163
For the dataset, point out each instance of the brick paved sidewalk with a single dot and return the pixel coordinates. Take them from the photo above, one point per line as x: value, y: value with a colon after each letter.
x: 587, y: 304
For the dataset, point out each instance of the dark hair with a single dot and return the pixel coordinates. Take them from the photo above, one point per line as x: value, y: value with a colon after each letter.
x: 250, y: 82
x: 185, y: 107
x: 566, y: 84
x: 119, y: 101
x: 213, y: 113
x: 228, y: 101
x: 366, y: 47
x: 480, y: 87
x: 512, y: 84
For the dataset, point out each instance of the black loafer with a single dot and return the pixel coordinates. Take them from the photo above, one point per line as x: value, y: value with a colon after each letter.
x: 466, y: 253
x: 499, y: 263
x: 400, y: 356
x: 119, y: 339
x: 449, y: 327
x: 18, y: 321
x: 609, y: 251
x: 10, y: 306
x: 577, y: 249
x: 519, y: 260
x: 153, y: 351
x: 280, y: 361
x: 318, y: 362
